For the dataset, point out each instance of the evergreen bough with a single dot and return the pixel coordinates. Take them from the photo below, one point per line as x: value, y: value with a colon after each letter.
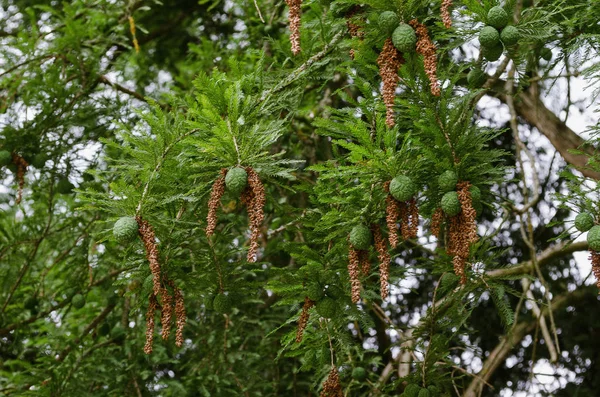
x: 5, y: 158
x: 327, y: 307
x: 476, y: 77
x: 222, y: 303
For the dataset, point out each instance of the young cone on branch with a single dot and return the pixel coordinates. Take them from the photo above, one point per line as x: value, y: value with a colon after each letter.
x: 332, y: 387
x: 595, y: 259
x: 218, y: 189
x: 384, y: 260
x: 22, y: 165
x: 427, y: 48
x: 445, y: 10
x: 303, y: 320
x: 353, y: 270
x: 295, y: 23
x: 389, y: 61
x: 462, y: 231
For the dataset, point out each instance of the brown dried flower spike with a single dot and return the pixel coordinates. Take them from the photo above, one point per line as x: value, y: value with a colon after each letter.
x: 427, y: 48
x: 384, y: 260
x: 353, y: 272
x: 303, y: 320
x: 462, y: 231
x: 389, y: 61
x: 332, y: 387
x: 595, y: 259
x: 22, y: 165
x: 445, y: 10
x: 408, y: 214
x: 295, y: 23
x: 169, y: 303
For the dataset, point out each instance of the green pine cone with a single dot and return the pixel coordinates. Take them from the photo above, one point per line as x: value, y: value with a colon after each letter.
x: 510, y: 35
x: 222, y: 303
x: 476, y: 77
x: 593, y: 238
x: 404, y: 38
x: 359, y: 373
x: 314, y: 292
x: 64, y: 186
x: 447, y: 181
x: 5, y: 158
x: 424, y: 393
x: 118, y: 333
x: 433, y: 391
x: 546, y: 54
x: 78, y: 301
x: 489, y: 37
x: 494, y: 53
x: 335, y: 292
x: 125, y: 229
x: 388, y: 21
x: 39, y: 160
x: 104, y: 329
x: 327, y: 307
x: 497, y: 17
x: 451, y: 204
x: 360, y: 237
x: 236, y: 180
x: 412, y: 390
x: 584, y: 221
x: 31, y: 303
x: 402, y: 188
x: 475, y: 194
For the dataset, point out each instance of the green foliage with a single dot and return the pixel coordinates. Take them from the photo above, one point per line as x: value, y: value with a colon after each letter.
x: 5, y: 158
x: 476, y: 77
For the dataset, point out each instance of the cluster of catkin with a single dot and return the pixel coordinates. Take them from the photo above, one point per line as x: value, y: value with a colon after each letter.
x: 169, y: 303
x: 303, y: 320
x: 353, y: 28
x: 389, y: 61
x: 595, y: 259
x: 445, y: 11
x: 22, y: 165
x: 462, y: 231
x: 253, y: 197
x: 384, y: 260
x: 295, y: 22
x: 406, y: 212
x: 428, y: 50
x: 331, y: 386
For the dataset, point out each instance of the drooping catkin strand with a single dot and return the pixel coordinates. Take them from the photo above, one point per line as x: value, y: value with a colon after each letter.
x: 462, y: 231
x: 180, y: 316
x: 413, y: 212
x: 445, y: 11
x: 22, y: 165
x: 365, y: 264
x: 152, y: 306
x: 404, y: 215
x: 389, y: 61
x: 166, y: 301
x: 216, y: 193
x: 295, y: 22
x: 436, y: 222
x: 254, y: 198
x: 595, y: 258
x: 427, y: 48
x: 392, y: 213
x: 353, y: 270
x: 384, y: 260
x: 331, y: 386
x: 303, y: 320
x: 354, y: 29
x: 149, y: 239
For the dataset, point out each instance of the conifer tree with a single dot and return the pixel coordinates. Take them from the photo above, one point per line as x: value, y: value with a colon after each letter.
x: 318, y: 197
